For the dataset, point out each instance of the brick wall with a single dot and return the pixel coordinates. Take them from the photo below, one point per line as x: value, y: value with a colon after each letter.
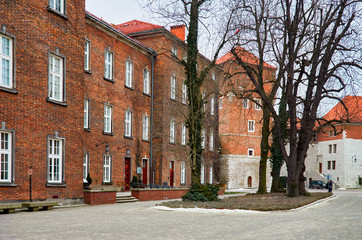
x: 99, y: 197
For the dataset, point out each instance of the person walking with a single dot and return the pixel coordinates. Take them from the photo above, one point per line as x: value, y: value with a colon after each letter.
x: 330, y: 185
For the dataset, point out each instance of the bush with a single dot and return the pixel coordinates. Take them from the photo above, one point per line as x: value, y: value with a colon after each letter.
x: 201, y: 193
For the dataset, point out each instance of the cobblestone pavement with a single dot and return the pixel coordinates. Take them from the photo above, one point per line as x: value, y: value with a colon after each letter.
x: 337, y: 218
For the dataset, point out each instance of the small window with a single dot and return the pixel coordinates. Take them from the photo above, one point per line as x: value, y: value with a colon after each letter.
x: 251, y: 126
x: 172, y: 131
x: 107, y: 168
x: 146, y: 81
x: 6, y: 157
x: 86, y: 113
x: 128, y: 124
x: 55, y: 160
x: 203, y: 138
x: 87, y: 56
x: 107, y: 118
x: 174, y: 51
x: 213, y: 76
x: 212, y: 106
x: 245, y: 103
x: 184, y: 93
x: 204, y: 100
x: 333, y: 165
x: 221, y: 102
x: 250, y: 152
x: 329, y: 165
x: 334, y: 148
x: 146, y: 124
x: 183, y: 173
x: 129, y: 74
x: 211, y: 143
x: 108, y: 65
x: 173, y: 87
x: 211, y: 177
x: 56, y: 78
x: 330, y: 148
x: 57, y: 5
x: 6, y: 62
x: 257, y: 104
x: 183, y: 134
x: 332, y: 133
x: 85, y: 167
x: 202, y: 175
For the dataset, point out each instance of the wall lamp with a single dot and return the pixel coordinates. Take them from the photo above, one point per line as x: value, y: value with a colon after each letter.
x: 128, y: 151
x: 106, y: 147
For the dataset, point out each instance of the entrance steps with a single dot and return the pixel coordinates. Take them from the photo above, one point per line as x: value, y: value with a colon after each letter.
x: 125, y: 197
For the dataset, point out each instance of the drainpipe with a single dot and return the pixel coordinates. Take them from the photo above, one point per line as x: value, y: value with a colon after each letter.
x: 153, y: 58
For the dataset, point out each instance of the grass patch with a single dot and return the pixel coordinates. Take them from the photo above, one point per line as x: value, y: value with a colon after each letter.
x: 260, y: 202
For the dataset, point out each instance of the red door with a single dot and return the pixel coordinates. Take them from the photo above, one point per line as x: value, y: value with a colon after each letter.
x: 172, y: 173
x: 250, y: 182
x: 144, y: 172
x: 127, y: 173
x: 320, y: 167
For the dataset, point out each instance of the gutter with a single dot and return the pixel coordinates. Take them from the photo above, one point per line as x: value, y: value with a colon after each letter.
x: 154, y: 55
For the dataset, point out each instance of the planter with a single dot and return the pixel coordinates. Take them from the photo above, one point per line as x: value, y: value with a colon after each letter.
x: 96, y: 197
x: 158, y: 193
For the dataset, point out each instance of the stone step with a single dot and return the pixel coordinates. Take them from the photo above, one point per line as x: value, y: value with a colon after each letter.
x: 126, y: 199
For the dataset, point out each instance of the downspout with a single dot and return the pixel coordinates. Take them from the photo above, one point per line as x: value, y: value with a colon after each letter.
x: 154, y: 55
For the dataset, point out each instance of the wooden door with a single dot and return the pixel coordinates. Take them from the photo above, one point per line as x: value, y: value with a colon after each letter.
x: 250, y: 182
x: 172, y: 173
x: 144, y: 171
x: 127, y: 173
x: 320, y: 167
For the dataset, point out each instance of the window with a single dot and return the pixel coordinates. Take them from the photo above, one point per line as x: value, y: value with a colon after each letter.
x: 333, y: 165
x: 86, y: 113
x: 204, y: 99
x: 174, y: 51
x: 203, y: 138
x: 251, y: 126
x: 211, y: 143
x: 332, y: 133
x: 55, y: 160
x: 212, y: 106
x: 107, y: 168
x: 183, y: 134
x: 334, y: 148
x: 85, y: 167
x: 146, y: 81
x: 146, y: 124
x: 6, y: 62
x: 329, y: 165
x: 245, y: 103
x: 57, y: 5
x: 56, y: 78
x: 172, y: 131
x: 330, y: 148
x: 183, y: 173
x: 202, y: 175
x: 221, y: 102
x: 211, y: 175
x: 128, y: 124
x: 87, y: 56
x: 250, y: 152
x: 5, y: 157
x: 184, y: 93
x: 108, y: 65
x: 257, y: 104
x: 107, y: 118
x: 129, y: 74
x: 213, y: 76
x: 173, y: 87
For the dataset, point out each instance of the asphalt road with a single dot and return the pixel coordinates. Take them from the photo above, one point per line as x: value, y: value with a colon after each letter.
x: 337, y: 218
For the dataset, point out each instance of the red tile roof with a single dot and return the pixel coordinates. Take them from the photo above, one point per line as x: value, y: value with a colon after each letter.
x: 353, y: 104
x: 244, y: 55
x: 136, y: 26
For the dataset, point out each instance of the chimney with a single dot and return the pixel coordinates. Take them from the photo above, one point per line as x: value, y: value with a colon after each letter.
x: 178, y: 31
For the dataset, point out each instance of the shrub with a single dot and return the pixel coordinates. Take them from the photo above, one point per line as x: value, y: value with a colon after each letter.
x: 201, y: 193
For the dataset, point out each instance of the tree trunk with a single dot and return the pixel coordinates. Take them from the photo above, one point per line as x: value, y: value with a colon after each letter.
x: 264, y: 146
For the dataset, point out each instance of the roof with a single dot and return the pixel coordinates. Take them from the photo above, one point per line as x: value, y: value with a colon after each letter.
x: 245, y: 56
x: 136, y: 26
x: 352, y: 103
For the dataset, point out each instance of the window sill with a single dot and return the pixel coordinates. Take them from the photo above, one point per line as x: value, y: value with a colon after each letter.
x: 55, y: 185
x: 8, y: 185
x: 107, y: 183
x: 146, y: 140
x: 57, y: 13
x: 128, y: 87
x: 128, y: 137
x: 147, y: 94
x: 9, y: 90
x: 88, y: 71
x: 87, y: 129
x: 107, y: 133
x: 173, y: 99
x: 63, y: 104
x: 108, y: 79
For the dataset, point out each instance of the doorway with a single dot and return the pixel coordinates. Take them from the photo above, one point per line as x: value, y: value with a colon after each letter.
x: 144, y: 171
x: 172, y: 173
x: 320, y: 167
x: 250, y: 182
x: 127, y: 173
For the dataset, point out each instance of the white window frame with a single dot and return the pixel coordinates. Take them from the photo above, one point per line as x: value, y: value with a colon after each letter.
x: 250, y: 150
x: 128, y: 123
x: 221, y: 99
x: 172, y: 131
x: 129, y: 74
x: 54, y: 74
x: 184, y: 93
x: 145, y: 127
x: 173, y: 88
x: 211, y: 176
x: 87, y: 55
x: 251, y: 125
x: 174, y: 51
x: 213, y: 76
x: 202, y: 174
x: 146, y: 81
x: 183, y: 134
x: 55, y: 153
x: 211, y: 143
x: 6, y: 151
x: 107, y: 168
x: 245, y: 103
x: 57, y: 5
x: 204, y: 100
x: 108, y: 112
x: 257, y: 104
x: 212, y: 106
x: 85, y: 167
x: 203, y: 138
x: 7, y: 57
x: 108, y: 65
x: 183, y: 173
x: 86, y: 113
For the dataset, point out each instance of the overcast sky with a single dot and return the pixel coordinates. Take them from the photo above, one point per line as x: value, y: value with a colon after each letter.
x: 116, y: 11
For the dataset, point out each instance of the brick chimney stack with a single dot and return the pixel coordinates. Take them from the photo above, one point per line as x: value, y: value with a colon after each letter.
x: 179, y: 31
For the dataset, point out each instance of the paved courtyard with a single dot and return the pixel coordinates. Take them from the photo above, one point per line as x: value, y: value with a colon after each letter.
x: 337, y: 218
